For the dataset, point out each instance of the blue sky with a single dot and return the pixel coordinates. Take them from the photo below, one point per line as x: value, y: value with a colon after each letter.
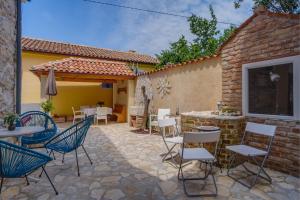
x: 80, y: 22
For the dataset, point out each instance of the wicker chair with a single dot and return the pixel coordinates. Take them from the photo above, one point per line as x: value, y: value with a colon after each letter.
x: 18, y: 162
x: 71, y: 139
x: 37, y: 118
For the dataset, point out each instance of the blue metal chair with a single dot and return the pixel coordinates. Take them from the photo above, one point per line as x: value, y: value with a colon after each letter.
x: 71, y: 139
x: 37, y: 118
x: 18, y: 162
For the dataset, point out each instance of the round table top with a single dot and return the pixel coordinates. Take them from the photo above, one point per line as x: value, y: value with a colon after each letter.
x: 20, y: 131
x: 207, y: 128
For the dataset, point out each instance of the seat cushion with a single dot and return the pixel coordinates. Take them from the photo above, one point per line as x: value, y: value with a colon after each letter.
x: 175, y: 140
x: 196, y: 154
x: 154, y: 123
x: 246, y: 150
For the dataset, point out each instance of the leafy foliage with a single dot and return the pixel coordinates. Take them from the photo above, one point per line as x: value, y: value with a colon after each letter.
x: 207, y: 40
x: 10, y: 119
x: 283, y: 6
x: 47, y: 106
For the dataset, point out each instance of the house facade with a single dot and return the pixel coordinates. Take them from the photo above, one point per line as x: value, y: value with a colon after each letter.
x: 73, y: 90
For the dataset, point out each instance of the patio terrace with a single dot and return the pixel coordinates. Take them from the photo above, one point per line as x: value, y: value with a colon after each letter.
x: 127, y: 165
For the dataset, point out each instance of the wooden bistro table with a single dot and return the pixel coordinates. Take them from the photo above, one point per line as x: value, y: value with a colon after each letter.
x: 20, y: 131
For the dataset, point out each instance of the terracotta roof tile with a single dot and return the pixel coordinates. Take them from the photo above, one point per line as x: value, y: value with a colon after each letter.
x: 44, y: 46
x: 86, y: 66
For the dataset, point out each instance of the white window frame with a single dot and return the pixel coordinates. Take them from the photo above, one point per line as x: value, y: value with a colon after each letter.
x: 296, y: 86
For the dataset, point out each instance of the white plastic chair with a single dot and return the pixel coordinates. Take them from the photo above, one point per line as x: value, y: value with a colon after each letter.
x: 199, y: 154
x: 162, y: 113
x: 101, y: 114
x: 176, y: 139
x: 252, y: 153
x: 77, y: 114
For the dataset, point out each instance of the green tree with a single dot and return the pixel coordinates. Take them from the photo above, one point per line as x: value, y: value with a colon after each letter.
x: 283, y: 6
x: 207, y: 40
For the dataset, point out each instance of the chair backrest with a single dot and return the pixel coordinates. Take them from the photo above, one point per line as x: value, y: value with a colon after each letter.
x: 162, y: 112
x: 17, y: 161
x: 261, y: 129
x: 37, y: 118
x: 101, y: 111
x: 73, y: 111
x: 72, y: 137
x: 201, y: 137
x: 167, y: 122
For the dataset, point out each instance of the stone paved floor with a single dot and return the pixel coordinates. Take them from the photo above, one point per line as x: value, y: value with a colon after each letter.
x: 128, y: 166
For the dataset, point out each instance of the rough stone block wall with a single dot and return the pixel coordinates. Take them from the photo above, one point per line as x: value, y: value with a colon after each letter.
x: 231, y: 132
x: 264, y: 36
x: 285, y: 150
x: 7, y: 56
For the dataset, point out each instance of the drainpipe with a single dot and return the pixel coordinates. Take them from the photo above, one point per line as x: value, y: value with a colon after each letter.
x: 19, y: 57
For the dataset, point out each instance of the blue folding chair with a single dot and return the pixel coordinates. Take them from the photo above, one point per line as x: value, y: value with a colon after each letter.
x: 37, y: 118
x: 18, y: 162
x: 71, y: 139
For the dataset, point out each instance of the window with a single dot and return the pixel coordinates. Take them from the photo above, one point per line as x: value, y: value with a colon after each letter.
x: 271, y: 88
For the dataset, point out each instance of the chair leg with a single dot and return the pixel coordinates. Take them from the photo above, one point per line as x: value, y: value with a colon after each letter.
x: 27, y: 182
x: 2, y: 179
x: 50, y: 180
x: 87, y: 154
x: 77, y: 162
x: 199, y: 178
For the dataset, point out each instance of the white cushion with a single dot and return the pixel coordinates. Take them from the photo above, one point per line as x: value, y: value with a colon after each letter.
x: 196, y: 154
x: 154, y: 123
x: 176, y: 140
x: 246, y: 150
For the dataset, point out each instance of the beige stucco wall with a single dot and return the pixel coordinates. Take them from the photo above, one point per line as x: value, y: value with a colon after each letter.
x: 195, y: 87
x: 8, y: 60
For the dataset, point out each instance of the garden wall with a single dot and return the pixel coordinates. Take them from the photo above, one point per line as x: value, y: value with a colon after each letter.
x: 190, y: 86
x: 264, y: 36
x: 8, y: 52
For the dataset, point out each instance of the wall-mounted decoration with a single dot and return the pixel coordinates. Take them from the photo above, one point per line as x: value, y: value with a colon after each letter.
x: 124, y: 89
x: 163, y: 87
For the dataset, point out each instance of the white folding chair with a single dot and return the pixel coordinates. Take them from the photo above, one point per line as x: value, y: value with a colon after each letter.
x: 162, y: 113
x: 101, y: 114
x: 252, y: 153
x: 77, y: 114
x: 176, y: 139
x: 199, y: 154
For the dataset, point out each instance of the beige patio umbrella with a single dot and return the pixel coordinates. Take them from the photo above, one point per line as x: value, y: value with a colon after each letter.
x: 51, y: 84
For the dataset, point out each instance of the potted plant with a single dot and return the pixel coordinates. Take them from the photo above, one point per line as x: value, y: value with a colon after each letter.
x: 10, y: 121
x: 47, y: 106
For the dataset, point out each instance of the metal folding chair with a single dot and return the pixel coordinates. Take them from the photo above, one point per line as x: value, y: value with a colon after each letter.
x: 199, y: 154
x: 173, y: 141
x: 252, y: 153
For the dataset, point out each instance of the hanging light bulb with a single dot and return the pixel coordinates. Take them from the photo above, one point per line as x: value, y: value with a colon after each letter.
x: 274, y: 77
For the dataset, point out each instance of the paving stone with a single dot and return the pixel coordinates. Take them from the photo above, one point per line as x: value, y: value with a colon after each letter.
x: 127, y: 165
x: 168, y: 187
x: 97, y: 193
x: 94, y: 185
x: 10, y: 192
x: 114, y: 194
x: 44, y: 197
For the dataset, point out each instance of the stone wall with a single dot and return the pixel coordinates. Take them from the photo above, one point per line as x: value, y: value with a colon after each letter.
x: 232, y: 129
x: 285, y: 150
x: 264, y: 36
x: 7, y: 56
x: 190, y: 86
